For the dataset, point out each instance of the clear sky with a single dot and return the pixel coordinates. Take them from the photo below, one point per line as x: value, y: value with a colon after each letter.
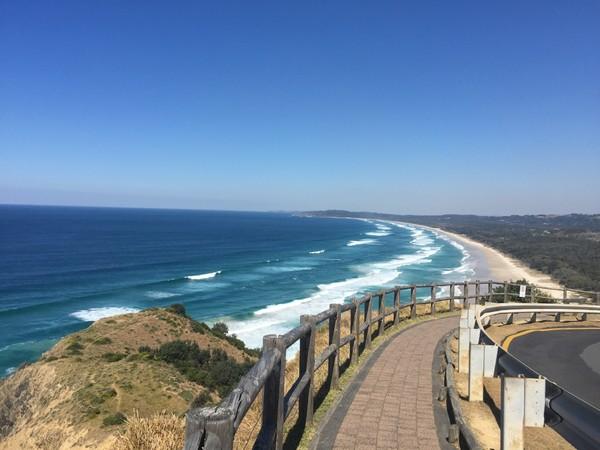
x: 486, y: 107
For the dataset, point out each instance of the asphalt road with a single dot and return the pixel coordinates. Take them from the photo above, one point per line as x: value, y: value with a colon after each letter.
x: 569, y: 358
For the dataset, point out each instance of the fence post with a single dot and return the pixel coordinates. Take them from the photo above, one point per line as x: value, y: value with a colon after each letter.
x: 451, y: 306
x: 333, y: 365
x: 354, y: 326
x: 532, y: 296
x: 368, y: 314
x: 505, y: 292
x: 598, y: 298
x: 433, y: 289
x: 396, y: 306
x: 477, y: 292
x: 214, y: 427
x: 490, y: 291
x: 413, y: 299
x: 307, y: 365
x: 381, y: 314
x: 465, y: 294
x: 564, y: 295
x: 273, y: 396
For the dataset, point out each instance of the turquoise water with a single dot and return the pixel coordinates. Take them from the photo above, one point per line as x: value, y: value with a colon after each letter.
x: 61, y: 268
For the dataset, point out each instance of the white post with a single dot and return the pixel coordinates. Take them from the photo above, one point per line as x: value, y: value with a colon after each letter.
x: 463, y: 349
x: 535, y: 401
x: 476, y: 373
x: 513, y: 413
x: 474, y: 334
x: 490, y: 356
x: 471, y: 316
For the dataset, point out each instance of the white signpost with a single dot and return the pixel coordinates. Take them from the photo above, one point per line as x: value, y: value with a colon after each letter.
x: 522, y: 291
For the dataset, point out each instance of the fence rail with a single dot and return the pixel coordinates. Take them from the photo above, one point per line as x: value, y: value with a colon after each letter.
x: 215, y: 427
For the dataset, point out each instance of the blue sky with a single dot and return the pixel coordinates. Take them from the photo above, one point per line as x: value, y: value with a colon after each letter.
x: 408, y: 107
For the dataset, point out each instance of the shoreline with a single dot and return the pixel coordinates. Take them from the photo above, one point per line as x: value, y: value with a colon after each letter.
x: 492, y: 264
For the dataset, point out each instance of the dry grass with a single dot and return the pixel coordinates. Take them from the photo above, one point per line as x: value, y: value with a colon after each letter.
x: 166, y: 430
x: 159, y: 432
x: 251, y: 424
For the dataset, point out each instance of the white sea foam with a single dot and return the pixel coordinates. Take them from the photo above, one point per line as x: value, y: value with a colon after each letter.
x: 361, y: 242
x: 10, y: 371
x: 283, y: 269
x: 378, y: 233
x: 317, y: 252
x: 93, y: 314
x: 279, y: 318
x: 203, y: 276
x: 160, y: 294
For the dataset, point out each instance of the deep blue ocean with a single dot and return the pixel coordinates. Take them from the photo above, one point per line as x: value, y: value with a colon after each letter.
x: 63, y: 267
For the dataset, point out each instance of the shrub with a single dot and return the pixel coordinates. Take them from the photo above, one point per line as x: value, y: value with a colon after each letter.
x: 145, y: 349
x: 103, y: 341
x: 75, y: 348
x: 177, y: 308
x: 113, y: 357
x: 220, y: 329
x: 202, y: 399
x: 114, y: 419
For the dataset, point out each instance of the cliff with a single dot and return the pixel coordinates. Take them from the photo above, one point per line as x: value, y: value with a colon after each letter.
x: 83, y: 392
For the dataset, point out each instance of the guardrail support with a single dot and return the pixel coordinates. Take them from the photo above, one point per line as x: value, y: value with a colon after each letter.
x: 512, y: 392
x: 490, y: 357
x: 464, y: 337
x: 413, y: 298
x: 433, y: 293
x: 505, y: 292
x: 396, y: 306
x: 557, y: 317
x: 533, y: 318
x: 477, y: 291
x: 476, y: 364
x: 451, y: 295
x: 307, y: 365
x: 490, y: 291
x: 523, y: 402
x: 333, y: 365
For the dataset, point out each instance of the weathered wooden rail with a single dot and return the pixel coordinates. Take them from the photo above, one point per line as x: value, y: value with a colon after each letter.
x: 215, y: 427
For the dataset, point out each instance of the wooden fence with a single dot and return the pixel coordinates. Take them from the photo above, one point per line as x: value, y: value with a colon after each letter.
x: 215, y: 427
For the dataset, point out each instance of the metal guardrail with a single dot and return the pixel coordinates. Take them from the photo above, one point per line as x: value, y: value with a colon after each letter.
x: 215, y: 427
x: 572, y: 417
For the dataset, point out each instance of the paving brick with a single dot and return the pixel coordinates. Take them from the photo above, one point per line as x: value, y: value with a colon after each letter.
x: 393, y: 409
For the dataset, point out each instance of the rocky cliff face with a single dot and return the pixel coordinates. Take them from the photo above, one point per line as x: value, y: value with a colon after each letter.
x: 80, y: 393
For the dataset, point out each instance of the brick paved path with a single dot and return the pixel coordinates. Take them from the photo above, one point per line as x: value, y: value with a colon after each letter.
x: 393, y: 407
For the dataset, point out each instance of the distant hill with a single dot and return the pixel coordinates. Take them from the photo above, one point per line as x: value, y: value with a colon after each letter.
x: 567, y: 247
x: 82, y: 391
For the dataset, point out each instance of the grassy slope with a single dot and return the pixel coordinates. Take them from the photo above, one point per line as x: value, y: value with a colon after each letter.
x: 64, y: 399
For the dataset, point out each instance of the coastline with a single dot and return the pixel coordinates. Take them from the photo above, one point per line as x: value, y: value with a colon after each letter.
x: 491, y: 264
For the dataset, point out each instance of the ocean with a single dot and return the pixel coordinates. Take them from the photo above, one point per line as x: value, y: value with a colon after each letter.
x: 63, y: 267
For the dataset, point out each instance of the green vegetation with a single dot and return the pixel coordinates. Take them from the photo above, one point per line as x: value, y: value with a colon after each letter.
x: 513, y: 294
x: 113, y: 357
x: 103, y: 341
x: 114, y: 419
x: 75, y: 348
x: 566, y: 247
x: 177, y: 308
x: 210, y: 368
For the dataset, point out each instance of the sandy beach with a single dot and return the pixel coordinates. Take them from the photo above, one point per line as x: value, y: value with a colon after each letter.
x: 491, y: 264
